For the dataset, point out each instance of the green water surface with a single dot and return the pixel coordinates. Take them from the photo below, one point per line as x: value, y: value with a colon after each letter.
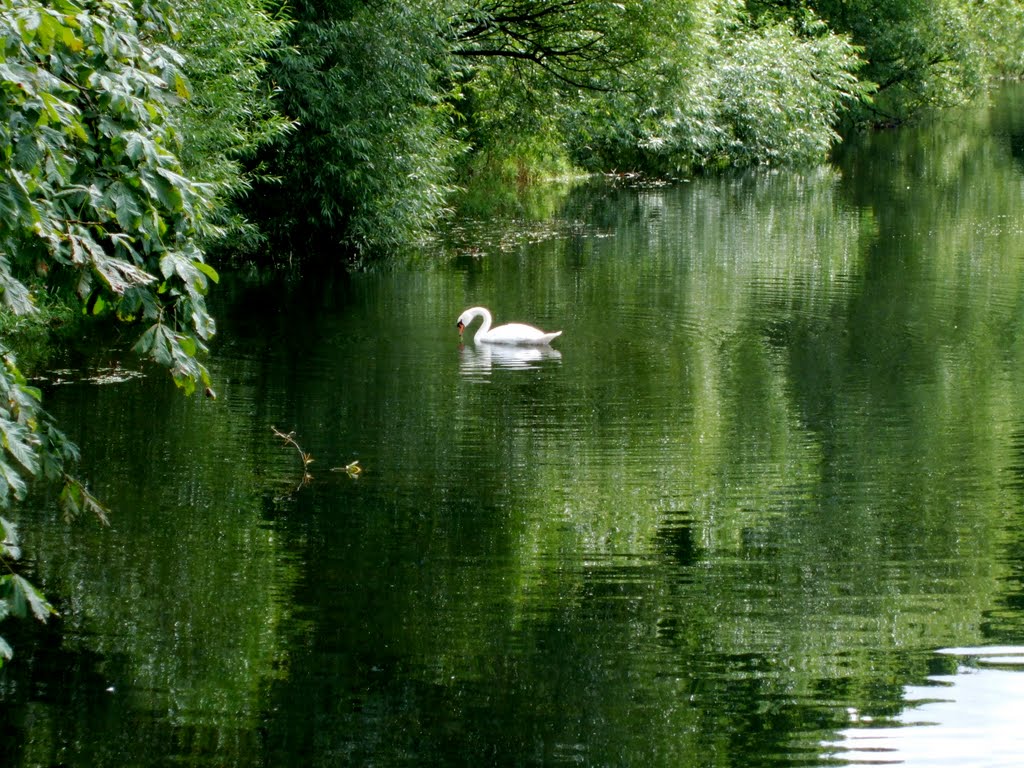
x: 773, y: 465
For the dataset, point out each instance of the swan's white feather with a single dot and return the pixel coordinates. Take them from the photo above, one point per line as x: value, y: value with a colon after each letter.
x: 512, y: 333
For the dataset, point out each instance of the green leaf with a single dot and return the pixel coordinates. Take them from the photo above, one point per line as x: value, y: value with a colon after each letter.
x: 6, y: 652
x: 18, y: 441
x: 135, y: 146
x: 71, y: 41
x: 10, y: 546
x: 71, y: 501
x: 49, y: 28
x: 186, y: 344
x: 144, y: 346
x: 203, y: 322
x: 24, y: 594
x: 207, y: 270
x: 13, y: 293
x: 50, y: 106
x: 169, y: 263
x: 162, y: 190
x: 126, y: 205
x: 156, y: 343
x: 181, y: 86
x: 13, y: 480
x: 75, y: 497
x: 117, y: 274
x: 29, y: 25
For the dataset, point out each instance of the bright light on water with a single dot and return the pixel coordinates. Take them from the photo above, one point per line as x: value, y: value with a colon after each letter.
x: 972, y: 718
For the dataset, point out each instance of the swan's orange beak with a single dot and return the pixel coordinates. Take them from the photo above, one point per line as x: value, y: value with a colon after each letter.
x: 460, y: 325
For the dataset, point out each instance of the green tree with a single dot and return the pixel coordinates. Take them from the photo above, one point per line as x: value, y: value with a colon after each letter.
x: 525, y: 63
x: 580, y: 43
x: 369, y: 163
x: 723, y: 91
x: 225, y: 45
x: 388, y: 97
x: 920, y: 53
x: 95, y: 206
x: 998, y: 26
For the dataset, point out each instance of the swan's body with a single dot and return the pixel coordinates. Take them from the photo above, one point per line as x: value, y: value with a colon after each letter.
x: 513, y: 333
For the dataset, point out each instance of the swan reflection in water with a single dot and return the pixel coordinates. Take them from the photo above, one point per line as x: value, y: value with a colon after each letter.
x: 482, y: 359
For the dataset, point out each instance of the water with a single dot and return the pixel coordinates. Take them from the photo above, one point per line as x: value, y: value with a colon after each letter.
x: 971, y: 717
x: 760, y: 505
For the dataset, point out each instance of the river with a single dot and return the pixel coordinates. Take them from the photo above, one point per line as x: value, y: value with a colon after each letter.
x: 761, y: 504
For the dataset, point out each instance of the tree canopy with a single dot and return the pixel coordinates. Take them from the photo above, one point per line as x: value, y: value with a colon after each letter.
x: 396, y: 103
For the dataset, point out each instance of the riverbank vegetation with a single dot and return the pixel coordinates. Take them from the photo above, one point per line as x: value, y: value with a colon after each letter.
x: 139, y: 137
x: 394, y: 107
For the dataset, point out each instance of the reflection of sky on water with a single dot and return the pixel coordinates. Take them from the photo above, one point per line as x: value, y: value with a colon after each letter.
x: 973, y: 718
x: 480, y: 360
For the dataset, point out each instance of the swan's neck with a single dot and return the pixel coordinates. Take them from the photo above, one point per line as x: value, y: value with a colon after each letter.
x: 485, y: 326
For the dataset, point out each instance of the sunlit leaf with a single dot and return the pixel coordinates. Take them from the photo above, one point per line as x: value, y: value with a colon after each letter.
x: 18, y: 441
x: 186, y: 344
x: 207, y: 270
x: 71, y: 41
x: 180, y: 86
x: 29, y: 24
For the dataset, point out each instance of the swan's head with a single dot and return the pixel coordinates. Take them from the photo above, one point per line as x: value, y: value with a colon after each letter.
x: 464, y: 319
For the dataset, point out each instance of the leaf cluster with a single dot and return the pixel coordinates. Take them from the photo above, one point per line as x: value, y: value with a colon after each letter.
x: 95, y: 195
x: 723, y: 90
x: 18, y: 595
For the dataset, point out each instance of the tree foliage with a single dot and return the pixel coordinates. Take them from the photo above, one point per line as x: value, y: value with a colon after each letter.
x: 779, y: 91
x: 231, y: 114
x: 998, y: 28
x: 368, y: 165
x: 580, y: 43
x: 726, y: 92
x: 94, y: 199
x: 394, y: 101
x: 128, y: 143
x: 920, y: 53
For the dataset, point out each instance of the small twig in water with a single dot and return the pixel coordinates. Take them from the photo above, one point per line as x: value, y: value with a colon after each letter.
x: 307, y: 459
x: 353, y: 469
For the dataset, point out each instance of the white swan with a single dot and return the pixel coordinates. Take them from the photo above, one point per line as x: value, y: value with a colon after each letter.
x: 513, y: 333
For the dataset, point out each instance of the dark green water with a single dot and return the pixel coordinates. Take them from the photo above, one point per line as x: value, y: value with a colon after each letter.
x: 774, y: 468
